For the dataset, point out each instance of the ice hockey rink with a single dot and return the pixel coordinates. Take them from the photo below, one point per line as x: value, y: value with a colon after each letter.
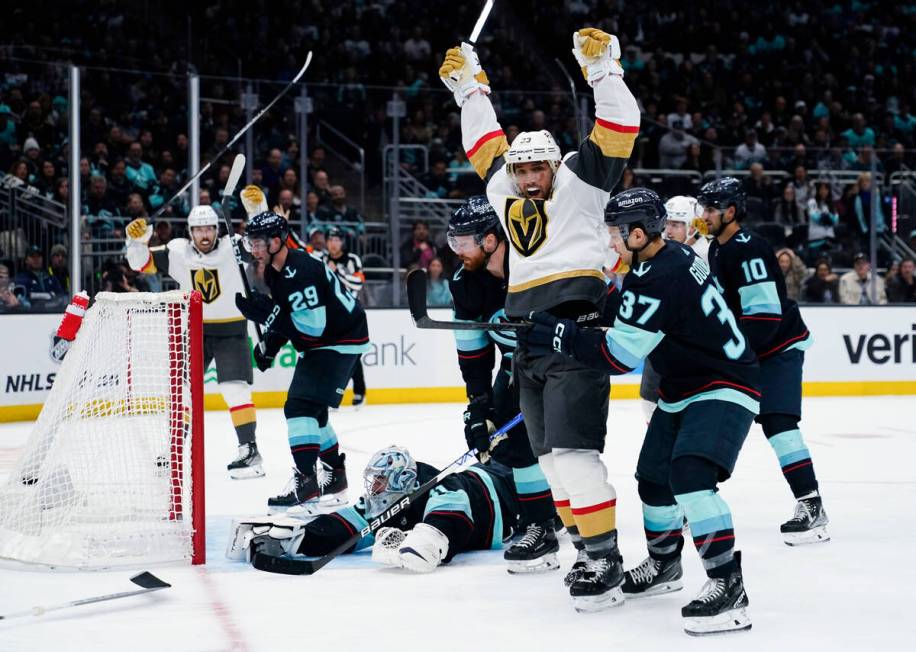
x: 851, y: 593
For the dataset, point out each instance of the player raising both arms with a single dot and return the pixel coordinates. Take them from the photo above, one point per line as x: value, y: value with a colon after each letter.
x: 478, y: 289
x: 206, y: 263
x: 671, y: 312
x: 473, y: 509
x: 745, y: 269
x: 309, y: 308
x: 551, y: 209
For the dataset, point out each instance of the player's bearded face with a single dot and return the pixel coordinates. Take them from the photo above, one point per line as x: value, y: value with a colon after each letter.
x: 468, y: 250
x: 534, y: 179
x: 204, y: 237
x: 713, y: 218
x: 618, y: 242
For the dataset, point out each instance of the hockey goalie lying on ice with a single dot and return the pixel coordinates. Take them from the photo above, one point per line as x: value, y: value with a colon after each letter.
x: 475, y: 508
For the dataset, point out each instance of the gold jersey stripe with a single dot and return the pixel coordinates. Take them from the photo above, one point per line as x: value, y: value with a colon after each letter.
x: 484, y: 153
x: 613, y: 144
x: 550, y: 278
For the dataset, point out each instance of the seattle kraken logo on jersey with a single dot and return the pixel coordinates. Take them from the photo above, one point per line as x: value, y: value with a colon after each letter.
x: 642, y: 270
x: 526, y: 222
x: 743, y: 238
x: 206, y: 281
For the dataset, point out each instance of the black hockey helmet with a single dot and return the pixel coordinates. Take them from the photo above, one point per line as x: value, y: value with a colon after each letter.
x: 722, y: 193
x: 636, y: 207
x: 475, y: 217
x: 334, y: 232
x: 267, y: 225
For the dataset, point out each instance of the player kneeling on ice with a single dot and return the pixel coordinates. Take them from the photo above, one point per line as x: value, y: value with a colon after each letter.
x: 310, y: 309
x: 671, y: 312
x: 473, y: 509
x: 206, y: 263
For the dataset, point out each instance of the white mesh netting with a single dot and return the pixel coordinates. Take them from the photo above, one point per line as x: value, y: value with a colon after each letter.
x: 104, y: 479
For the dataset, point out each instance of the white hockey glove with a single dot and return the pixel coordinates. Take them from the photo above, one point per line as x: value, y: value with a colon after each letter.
x: 423, y: 549
x: 253, y: 200
x: 139, y: 231
x: 385, y: 548
x: 461, y: 73
x: 598, y: 54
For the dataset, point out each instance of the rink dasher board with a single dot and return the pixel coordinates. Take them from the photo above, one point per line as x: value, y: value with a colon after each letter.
x: 857, y: 351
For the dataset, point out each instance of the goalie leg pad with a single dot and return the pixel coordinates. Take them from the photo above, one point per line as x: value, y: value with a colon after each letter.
x: 288, y: 532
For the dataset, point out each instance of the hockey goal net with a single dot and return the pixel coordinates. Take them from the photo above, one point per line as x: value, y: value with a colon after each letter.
x: 112, y: 473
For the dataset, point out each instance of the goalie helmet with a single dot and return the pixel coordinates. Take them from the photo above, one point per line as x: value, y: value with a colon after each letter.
x: 390, y: 475
x: 202, y: 215
x: 475, y: 218
x: 531, y: 146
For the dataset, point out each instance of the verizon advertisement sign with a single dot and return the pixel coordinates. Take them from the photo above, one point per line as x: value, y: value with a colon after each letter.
x: 850, y: 345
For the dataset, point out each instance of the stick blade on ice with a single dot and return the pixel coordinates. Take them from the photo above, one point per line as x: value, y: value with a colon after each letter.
x: 147, y: 580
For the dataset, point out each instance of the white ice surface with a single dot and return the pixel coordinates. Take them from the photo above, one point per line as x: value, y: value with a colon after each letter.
x: 855, y: 592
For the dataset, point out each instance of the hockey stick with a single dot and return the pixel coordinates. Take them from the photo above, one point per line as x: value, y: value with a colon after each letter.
x: 575, y: 99
x: 481, y: 21
x: 146, y: 580
x: 289, y: 566
x: 239, y: 134
x: 238, y: 166
x: 416, y: 301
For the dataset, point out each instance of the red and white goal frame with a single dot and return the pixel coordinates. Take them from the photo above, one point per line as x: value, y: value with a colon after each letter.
x: 113, y: 472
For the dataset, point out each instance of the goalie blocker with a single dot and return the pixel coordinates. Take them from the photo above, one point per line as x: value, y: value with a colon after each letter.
x: 474, y: 509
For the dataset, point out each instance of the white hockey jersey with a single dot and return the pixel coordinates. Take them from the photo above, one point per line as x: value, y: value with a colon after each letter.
x: 558, y: 245
x: 215, y: 275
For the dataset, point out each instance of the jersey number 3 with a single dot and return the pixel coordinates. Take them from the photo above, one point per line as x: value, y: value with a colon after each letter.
x: 712, y: 300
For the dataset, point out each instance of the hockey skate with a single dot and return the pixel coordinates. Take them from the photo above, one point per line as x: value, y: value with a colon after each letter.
x: 247, y: 464
x: 535, y: 552
x: 809, y: 525
x: 332, y: 492
x: 653, y: 577
x: 358, y: 400
x: 577, y: 569
x: 720, y: 607
x: 300, y: 489
x: 598, y: 587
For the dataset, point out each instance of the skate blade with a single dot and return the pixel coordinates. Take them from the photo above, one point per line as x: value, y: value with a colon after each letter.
x: 542, y: 564
x: 592, y: 603
x: 247, y: 473
x: 667, y: 587
x: 814, y: 535
x: 734, y: 620
x: 334, y: 500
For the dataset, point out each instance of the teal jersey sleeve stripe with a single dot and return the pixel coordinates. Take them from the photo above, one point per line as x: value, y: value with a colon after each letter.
x: 449, y: 501
x: 497, y: 541
x: 470, y: 340
x: 355, y: 519
x: 347, y: 348
x: 760, y: 298
x: 630, y: 344
x: 311, y: 321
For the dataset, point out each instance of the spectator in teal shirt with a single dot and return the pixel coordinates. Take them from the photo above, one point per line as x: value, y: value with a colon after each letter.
x: 141, y: 175
x: 859, y: 135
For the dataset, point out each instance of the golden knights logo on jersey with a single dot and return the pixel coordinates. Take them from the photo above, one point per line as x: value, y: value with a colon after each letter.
x: 526, y: 223
x: 206, y: 281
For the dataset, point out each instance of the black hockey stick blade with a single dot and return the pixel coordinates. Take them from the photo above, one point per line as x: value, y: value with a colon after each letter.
x: 264, y: 561
x: 147, y: 580
x: 416, y: 301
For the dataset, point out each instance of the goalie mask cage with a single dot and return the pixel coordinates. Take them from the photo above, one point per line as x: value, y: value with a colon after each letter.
x: 113, y: 471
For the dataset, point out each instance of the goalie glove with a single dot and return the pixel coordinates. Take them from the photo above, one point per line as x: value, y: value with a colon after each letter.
x: 423, y: 549
x: 139, y: 231
x: 385, y: 549
x: 462, y: 75
x: 598, y: 54
x: 253, y: 200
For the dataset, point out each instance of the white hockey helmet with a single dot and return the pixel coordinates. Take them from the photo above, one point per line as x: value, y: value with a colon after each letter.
x: 202, y: 215
x: 531, y: 146
x: 682, y: 208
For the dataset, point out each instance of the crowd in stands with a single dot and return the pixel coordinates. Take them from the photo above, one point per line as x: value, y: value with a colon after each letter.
x: 781, y: 87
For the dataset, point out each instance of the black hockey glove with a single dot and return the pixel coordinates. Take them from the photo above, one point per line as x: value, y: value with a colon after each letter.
x: 478, y: 425
x: 262, y: 360
x: 548, y: 334
x: 257, y: 308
